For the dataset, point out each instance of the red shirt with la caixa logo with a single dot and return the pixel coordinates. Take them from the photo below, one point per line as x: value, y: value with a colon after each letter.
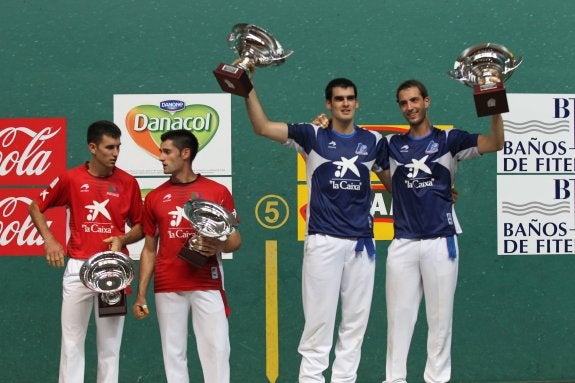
x: 99, y: 207
x: 164, y: 216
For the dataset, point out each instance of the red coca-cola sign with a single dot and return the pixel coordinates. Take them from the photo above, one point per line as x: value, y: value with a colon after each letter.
x: 18, y: 236
x: 32, y: 150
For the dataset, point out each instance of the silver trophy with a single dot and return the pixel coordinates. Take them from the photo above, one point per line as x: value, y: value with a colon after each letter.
x: 485, y: 67
x: 108, y: 273
x: 209, y: 220
x: 255, y: 46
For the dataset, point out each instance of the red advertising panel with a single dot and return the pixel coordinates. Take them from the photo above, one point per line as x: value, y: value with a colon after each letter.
x: 18, y: 236
x: 32, y: 150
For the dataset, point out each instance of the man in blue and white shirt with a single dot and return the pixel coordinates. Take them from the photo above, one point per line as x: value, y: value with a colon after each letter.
x: 339, y: 250
x: 423, y: 257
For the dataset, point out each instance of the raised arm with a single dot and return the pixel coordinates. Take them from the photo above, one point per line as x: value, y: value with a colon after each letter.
x: 261, y: 124
x: 495, y: 140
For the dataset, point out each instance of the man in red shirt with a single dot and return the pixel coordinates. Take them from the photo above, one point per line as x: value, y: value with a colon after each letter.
x: 102, y: 199
x: 180, y: 287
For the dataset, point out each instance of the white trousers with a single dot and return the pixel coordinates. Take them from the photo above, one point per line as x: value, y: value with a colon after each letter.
x: 210, y: 326
x: 77, y: 304
x: 415, y: 268
x: 332, y: 268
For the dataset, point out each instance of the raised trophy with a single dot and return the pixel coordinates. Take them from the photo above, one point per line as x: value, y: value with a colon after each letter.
x: 485, y: 67
x: 209, y: 220
x: 108, y: 273
x: 255, y: 46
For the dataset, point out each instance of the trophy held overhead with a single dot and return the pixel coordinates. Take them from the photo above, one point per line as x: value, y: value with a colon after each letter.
x: 255, y: 47
x: 485, y: 67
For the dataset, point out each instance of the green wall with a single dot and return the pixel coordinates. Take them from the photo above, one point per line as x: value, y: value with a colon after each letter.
x: 514, y: 317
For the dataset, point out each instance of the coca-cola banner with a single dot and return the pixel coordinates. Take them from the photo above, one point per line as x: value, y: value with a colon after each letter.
x: 18, y: 236
x: 32, y: 153
x: 32, y: 150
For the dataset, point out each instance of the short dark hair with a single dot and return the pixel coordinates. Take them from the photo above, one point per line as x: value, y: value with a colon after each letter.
x: 339, y: 83
x: 182, y: 139
x: 411, y: 84
x: 101, y: 128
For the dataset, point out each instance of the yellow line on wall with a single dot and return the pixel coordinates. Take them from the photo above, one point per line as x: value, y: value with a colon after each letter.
x: 272, y: 352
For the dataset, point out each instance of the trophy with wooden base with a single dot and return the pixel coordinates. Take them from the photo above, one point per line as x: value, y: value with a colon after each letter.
x: 208, y: 220
x: 485, y: 67
x: 256, y: 47
x: 108, y: 273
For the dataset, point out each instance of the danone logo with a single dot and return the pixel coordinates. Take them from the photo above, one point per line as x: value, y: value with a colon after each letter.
x: 172, y: 105
x: 146, y: 123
